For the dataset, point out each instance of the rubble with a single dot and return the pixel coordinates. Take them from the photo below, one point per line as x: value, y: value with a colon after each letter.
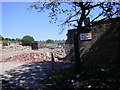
x: 16, y: 47
x: 59, y: 53
x: 21, y: 53
x: 31, y: 57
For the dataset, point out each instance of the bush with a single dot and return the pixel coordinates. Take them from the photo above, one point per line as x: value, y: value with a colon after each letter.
x: 4, y: 44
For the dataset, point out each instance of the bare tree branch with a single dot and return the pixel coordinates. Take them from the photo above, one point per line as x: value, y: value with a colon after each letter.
x: 80, y: 9
x: 67, y: 21
x: 70, y: 21
x: 93, y: 19
x: 87, y: 13
x: 96, y: 17
x: 94, y: 6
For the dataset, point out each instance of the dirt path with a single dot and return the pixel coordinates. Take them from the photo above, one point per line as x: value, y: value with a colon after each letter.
x: 30, y: 75
x: 26, y: 74
x: 7, y: 66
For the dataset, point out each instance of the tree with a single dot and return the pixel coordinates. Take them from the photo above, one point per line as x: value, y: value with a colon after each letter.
x: 7, y: 39
x: 1, y: 38
x: 18, y: 40
x: 13, y: 39
x: 49, y: 41
x: 75, y: 13
x: 27, y: 40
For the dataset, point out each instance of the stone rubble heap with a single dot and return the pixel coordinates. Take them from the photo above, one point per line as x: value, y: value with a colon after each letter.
x: 16, y: 47
x: 29, y: 57
x: 59, y: 53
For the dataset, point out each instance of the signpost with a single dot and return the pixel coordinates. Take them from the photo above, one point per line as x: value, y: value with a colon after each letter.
x: 86, y: 36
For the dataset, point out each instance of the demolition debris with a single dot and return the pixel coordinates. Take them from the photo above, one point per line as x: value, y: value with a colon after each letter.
x: 24, y: 53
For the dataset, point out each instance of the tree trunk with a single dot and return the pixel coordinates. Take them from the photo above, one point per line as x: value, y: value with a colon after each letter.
x: 76, y: 39
x: 76, y: 50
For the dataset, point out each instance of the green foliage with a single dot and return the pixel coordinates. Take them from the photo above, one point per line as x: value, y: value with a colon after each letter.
x: 13, y: 39
x: 7, y: 39
x: 18, y: 40
x: 4, y: 44
x: 49, y: 41
x: 1, y: 38
x: 27, y: 40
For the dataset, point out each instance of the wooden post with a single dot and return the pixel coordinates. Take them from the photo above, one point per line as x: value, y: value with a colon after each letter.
x: 76, y: 51
x: 53, y: 60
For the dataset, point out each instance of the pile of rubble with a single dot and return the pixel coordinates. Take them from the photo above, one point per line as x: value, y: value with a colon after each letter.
x: 16, y: 47
x: 59, y: 53
x: 29, y: 57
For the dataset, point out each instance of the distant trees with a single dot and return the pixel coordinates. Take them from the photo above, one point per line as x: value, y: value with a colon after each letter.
x: 10, y: 39
x: 7, y: 39
x: 13, y: 39
x: 49, y: 41
x: 27, y: 40
x: 1, y: 38
x: 18, y: 40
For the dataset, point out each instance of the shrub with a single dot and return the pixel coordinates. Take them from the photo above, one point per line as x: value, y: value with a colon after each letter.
x: 4, y: 44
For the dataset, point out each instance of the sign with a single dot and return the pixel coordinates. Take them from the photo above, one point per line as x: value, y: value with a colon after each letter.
x: 87, y: 21
x: 86, y: 36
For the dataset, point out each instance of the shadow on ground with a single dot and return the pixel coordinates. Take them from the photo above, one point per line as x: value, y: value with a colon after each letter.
x: 29, y: 76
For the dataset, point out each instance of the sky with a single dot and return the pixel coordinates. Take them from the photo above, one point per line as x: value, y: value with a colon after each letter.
x: 0, y: 18
x: 17, y: 22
